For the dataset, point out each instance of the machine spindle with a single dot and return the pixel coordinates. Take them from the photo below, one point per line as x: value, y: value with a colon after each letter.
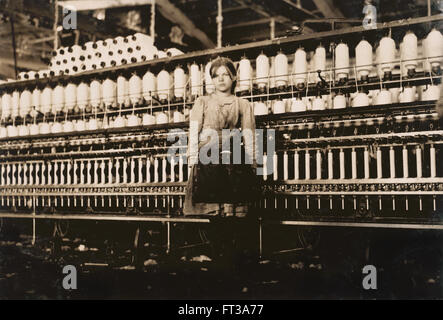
x: 296, y: 165
x: 405, y: 162
x: 392, y: 161
x: 366, y: 162
x: 318, y: 166
x: 419, y: 162
x: 379, y: 164
x: 307, y: 165
x: 342, y: 164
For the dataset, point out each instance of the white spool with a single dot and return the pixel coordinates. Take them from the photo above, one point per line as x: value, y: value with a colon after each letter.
x: 163, y: 84
x: 15, y: 104
x: 149, y: 83
x: 6, y: 105
x: 342, y: 61
x: 281, y: 69
x: 434, y: 47
x: 25, y: 103
x: 262, y: 70
x: 109, y: 89
x: 46, y: 100
x: 123, y: 91
x: 320, y: 61
x: 196, y: 81
x: 386, y: 54
x: 70, y: 96
x: 409, y: 50
x: 244, y: 75
x: 179, y: 82
x: 96, y: 93
x: 135, y: 89
x: 300, y: 67
x: 363, y: 58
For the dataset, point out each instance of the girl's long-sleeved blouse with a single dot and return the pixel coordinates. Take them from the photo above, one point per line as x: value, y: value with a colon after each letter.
x: 212, y: 112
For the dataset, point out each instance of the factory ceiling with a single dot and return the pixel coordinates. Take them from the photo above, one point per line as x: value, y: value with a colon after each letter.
x: 186, y: 24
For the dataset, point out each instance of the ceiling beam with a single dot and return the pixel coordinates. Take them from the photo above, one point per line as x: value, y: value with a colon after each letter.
x: 81, y: 5
x: 248, y: 23
x: 262, y: 11
x: 175, y: 15
x: 278, y: 18
x: 230, y: 9
x: 299, y: 7
x: 328, y: 9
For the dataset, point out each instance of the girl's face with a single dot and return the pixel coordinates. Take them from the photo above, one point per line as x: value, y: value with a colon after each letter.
x: 222, y: 80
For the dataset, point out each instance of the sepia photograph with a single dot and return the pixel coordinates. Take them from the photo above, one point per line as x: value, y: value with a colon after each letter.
x: 213, y: 156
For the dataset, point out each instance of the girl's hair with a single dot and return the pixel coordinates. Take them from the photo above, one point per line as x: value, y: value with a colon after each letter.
x: 230, y: 67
